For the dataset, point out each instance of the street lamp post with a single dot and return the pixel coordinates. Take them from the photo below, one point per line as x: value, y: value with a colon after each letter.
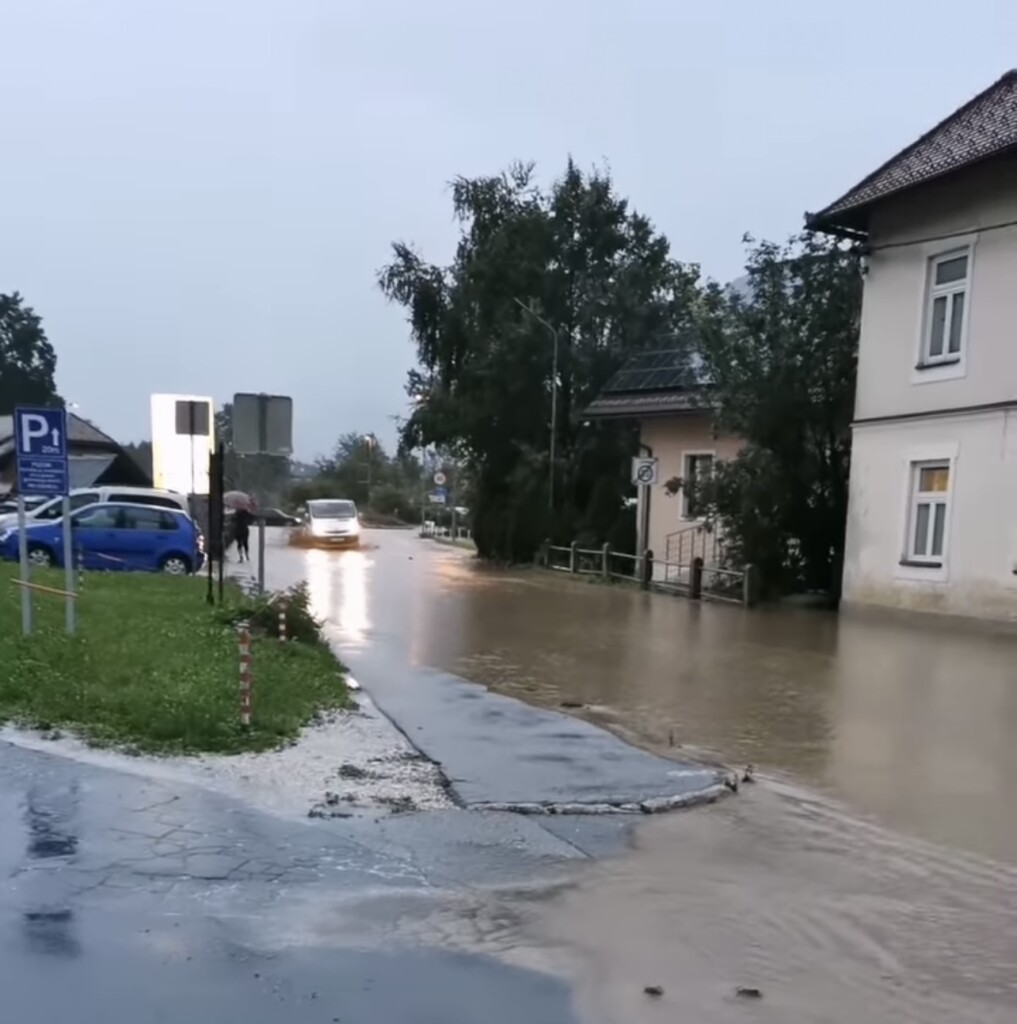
x: 370, y: 439
x: 554, y: 395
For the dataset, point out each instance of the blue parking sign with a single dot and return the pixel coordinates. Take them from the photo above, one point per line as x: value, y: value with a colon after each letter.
x: 40, y: 448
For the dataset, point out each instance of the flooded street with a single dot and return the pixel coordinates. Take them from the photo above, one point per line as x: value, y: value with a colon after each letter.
x: 911, y: 723
x: 831, y: 920
x: 870, y: 876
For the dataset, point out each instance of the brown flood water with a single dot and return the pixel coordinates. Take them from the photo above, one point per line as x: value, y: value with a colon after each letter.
x: 834, y: 922
x: 865, y: 879
x: 913, y: 722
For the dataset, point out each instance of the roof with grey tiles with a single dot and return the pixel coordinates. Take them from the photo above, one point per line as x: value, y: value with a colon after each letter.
x: 79, y: 431
x: 984, y: 127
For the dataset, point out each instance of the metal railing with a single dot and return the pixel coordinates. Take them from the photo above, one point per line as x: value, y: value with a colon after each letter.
x: 701, y: 540
x: 693, y: 579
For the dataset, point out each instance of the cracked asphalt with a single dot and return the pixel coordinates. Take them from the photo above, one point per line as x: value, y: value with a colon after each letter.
x: 131, y: 899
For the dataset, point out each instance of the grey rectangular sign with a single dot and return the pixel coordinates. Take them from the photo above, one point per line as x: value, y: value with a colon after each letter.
x: 192, y: 418
x: 262, y: 424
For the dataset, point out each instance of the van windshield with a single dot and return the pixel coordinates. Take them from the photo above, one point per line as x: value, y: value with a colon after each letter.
x: 332, y: 509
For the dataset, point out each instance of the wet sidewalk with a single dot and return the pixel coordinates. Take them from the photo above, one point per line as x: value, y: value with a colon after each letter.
x: 503, y: 754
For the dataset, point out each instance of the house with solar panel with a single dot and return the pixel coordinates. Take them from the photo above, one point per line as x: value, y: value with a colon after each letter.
x: 668, y: 395
x: 932, y: 521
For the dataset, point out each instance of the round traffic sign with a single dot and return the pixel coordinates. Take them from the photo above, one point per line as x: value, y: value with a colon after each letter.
x: 644, y: 474
x: 439, y: 478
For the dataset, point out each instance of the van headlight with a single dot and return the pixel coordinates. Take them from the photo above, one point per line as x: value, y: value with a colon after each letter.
x: 355, y: 528
x: 317, y: 527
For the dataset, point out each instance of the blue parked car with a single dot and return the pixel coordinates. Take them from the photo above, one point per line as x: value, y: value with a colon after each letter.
x: 125, y: 537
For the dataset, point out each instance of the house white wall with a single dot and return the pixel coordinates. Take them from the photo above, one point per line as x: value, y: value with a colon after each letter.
x: 977, y: 576
x: 672, y: 438
x: 966, y: 413
x: 894, y: 295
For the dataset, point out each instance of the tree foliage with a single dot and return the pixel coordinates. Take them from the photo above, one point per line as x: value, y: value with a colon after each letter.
x: 27, y: 359
x: 781, y: 359
x: 604, y: 284
x: 360, y: 470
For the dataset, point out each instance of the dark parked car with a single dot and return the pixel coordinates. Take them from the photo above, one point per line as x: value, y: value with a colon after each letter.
x: 276, y: 517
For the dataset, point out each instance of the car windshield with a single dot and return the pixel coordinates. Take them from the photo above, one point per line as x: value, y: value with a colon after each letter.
x: 332, y: 509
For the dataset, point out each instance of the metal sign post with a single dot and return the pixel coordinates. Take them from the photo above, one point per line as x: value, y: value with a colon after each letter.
x: 69, y: 576
x: 644, y: 476
x: 263, y: 425
x: 261, y: 553
x: 40, y: 445
x: 26, y: 593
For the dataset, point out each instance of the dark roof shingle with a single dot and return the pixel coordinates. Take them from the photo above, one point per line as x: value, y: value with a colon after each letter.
x: 79, y: 431
x: 985, y: 126
x: 654, y: 383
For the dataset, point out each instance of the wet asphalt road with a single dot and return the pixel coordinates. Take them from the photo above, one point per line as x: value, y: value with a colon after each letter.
x: 129, y: 899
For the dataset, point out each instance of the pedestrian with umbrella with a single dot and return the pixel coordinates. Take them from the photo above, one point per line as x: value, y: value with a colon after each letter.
x: 242, y: 507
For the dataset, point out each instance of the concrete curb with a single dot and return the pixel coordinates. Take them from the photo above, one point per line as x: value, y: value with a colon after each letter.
x: 656, y: 805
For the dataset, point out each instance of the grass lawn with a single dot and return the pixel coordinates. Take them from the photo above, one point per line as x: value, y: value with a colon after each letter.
x: 153, y: 668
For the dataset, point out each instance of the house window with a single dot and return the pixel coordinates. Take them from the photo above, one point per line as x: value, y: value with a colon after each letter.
x: 930, y: 501
x: 698, y: 469
x: 946, y: 307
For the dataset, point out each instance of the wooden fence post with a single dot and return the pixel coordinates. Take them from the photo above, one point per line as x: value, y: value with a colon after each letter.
x: 573, y: 556
x: 646, y: 568
x: 750, y: 586
x: 605, y: 561
x: 696, y: 580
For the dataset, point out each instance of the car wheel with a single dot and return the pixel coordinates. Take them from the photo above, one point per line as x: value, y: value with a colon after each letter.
x: 40, y: 557
x: 176, y: 565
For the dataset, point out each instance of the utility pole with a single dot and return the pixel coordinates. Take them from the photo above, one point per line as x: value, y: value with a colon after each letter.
x: 554, y: 395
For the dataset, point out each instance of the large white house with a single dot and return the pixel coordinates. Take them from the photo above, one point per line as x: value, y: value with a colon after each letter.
x: 932, y: 522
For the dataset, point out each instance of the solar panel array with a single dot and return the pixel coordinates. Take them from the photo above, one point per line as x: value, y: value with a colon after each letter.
x: 668, y: 370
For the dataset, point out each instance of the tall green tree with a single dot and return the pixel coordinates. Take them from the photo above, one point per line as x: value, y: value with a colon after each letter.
x: 781, y: 356
x: 597, y: 283
x: 361, y: 470
x: 27, y: 359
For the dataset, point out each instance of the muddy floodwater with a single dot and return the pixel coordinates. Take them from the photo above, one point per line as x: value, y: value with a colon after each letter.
x: 911, y: 722
x: 871, y: 875
x: 828, y: 919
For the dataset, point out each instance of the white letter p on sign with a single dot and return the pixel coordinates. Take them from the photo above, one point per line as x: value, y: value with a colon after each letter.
x: 32, y: 426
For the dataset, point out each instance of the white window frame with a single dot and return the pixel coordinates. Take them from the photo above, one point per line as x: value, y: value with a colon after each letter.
x: 686, y: 455
x: 948, y: 365
x: 918, y: 498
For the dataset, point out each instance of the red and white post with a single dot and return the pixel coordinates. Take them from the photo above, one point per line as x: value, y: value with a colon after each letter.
x: 244, y: 635
x: 282, y: 622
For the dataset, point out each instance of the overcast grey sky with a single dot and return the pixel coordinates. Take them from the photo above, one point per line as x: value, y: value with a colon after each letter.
x: 196, y: 194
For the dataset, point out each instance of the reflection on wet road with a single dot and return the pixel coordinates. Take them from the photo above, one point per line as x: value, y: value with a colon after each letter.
x: 912, y: 723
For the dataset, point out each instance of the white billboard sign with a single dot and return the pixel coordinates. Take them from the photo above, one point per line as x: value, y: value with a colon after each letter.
x: 183, y: 438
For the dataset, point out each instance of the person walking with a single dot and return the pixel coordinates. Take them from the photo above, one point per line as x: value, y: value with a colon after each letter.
x: 242, y: 520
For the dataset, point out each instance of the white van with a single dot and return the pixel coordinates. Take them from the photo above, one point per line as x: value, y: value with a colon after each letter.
x: 81, y: 496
